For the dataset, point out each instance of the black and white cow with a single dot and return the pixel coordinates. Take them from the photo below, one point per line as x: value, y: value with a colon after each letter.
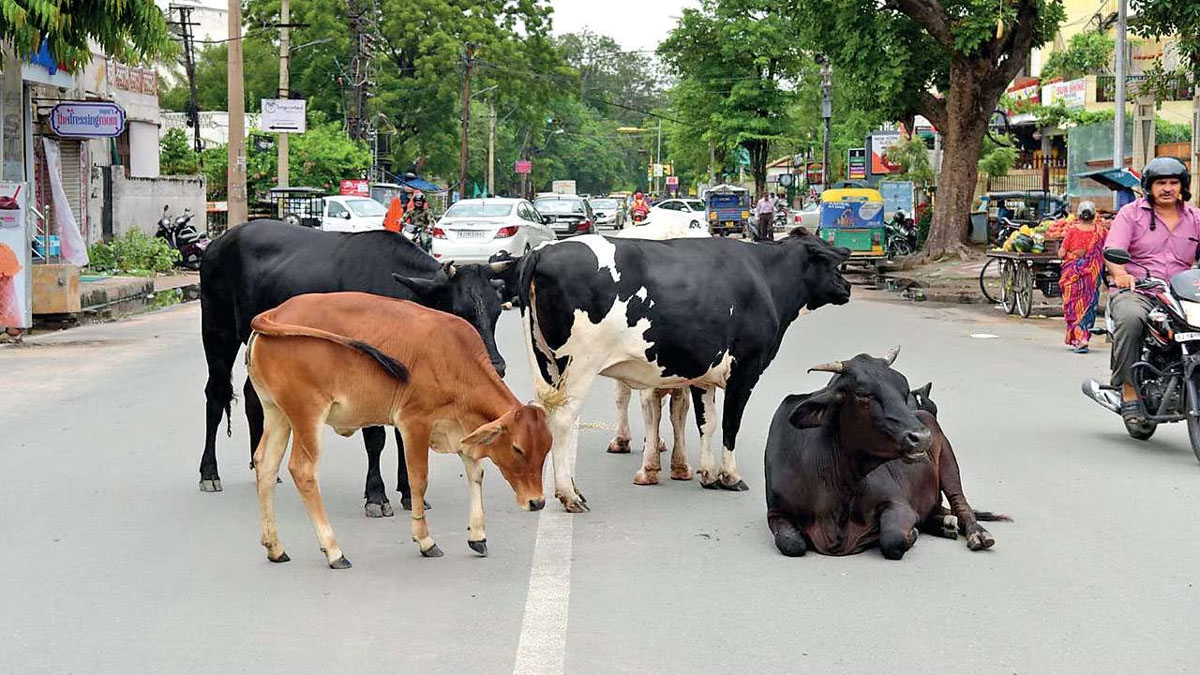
x: 704, y: 313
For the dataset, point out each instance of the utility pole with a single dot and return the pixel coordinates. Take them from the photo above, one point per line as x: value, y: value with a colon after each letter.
x: 285, y: 90
x: 658, y: 157
x: 361, y: 45
x: 189, y: 62
x: 1119, y: 120
x: 236, y: 174
x: 827, y: 115
x: 491, y: 181
x: 466, y: 120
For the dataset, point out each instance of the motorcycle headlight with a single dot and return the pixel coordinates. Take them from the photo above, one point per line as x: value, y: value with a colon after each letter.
x: 1191, y: 311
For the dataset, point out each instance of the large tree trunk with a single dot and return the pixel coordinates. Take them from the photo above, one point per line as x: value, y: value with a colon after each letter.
x: 758, y: 150
x: 969, y: 106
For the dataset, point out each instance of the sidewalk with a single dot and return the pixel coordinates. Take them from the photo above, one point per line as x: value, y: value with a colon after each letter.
x: 954, y: 281
x: 98, y: 293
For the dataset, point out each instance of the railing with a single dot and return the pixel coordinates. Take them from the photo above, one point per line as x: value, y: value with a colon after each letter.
x: 1179, y: 88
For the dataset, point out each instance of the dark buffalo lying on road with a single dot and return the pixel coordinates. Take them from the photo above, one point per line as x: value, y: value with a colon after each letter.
x: 257, y: 266
x: 863, y: 462
x: 702, y: 313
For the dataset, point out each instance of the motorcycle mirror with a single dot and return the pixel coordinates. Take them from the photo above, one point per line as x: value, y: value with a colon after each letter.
x: 1117, y: 256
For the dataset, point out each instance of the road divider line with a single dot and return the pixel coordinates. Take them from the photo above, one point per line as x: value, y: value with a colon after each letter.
x: 543, y: 643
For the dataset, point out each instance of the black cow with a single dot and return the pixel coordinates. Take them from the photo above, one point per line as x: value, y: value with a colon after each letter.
x: 864, y: 461
x: 257, y: 266
x: 704, y: 313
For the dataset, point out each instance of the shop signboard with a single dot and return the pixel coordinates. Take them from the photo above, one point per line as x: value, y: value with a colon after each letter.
x: 356, y: 188
x: 523, y: 166
x: 856, y: 163
x: 897, y: 196
x: 1072, y: 94
x: 87, y: 119
x: 15, y: 254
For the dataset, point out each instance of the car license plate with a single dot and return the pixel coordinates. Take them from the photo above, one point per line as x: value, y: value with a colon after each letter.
x: 471, y: 234
x: 1186, y: 337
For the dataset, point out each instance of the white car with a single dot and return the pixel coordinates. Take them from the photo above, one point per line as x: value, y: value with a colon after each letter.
x: 352, y: 214
x: 610, y: 212
x: 473, y: 230
x: 687, y: 213
x: 809, y: 217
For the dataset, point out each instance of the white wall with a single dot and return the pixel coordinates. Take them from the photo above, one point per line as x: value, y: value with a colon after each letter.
x: 138, y: 202
x: 143, y: 149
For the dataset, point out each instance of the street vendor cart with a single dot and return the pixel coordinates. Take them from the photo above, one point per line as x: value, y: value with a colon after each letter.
x: 1009, y: 278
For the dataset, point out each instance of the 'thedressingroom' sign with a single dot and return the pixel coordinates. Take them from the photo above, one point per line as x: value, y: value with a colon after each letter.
x: 87, y: 119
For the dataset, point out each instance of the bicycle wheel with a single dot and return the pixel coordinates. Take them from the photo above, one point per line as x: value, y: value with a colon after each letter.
x: 1024, y: 291
x: 1008, y: 281
x: 991, y: 281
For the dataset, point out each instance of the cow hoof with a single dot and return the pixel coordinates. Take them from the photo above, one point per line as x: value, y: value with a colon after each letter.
x: 739, y: 486
x: 213, y: 485
x: 681, y: 472
x: 574, y: 505
x: 619, y: 446
x: 980, y: 539
x: 432, y: 552
x: 662, y: 447
x: 644, y: 477
x: 383, y: 510
x: 406, y: 504
x: 340, y: 564
x: 283, y: 557
x: 712, y: 485
x: 950, y: 527
x: 479, y: 547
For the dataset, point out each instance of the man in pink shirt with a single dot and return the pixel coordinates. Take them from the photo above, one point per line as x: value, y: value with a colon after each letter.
x: 1161, y: 231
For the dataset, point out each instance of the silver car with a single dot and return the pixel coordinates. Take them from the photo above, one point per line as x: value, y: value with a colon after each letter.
x: 609, y: 212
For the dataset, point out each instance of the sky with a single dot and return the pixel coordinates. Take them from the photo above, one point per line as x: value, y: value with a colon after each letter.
x: 634, y: 24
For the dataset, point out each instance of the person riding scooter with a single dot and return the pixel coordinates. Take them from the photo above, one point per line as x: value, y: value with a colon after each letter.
x: 1160, y: 231
x: 639, y: 209
x: 419, y: 222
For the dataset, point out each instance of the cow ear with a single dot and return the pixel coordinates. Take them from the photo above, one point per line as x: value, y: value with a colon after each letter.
x: 814, y: 409
x: 422, y: 286
x: 486, y: 434
x: 923, y: 392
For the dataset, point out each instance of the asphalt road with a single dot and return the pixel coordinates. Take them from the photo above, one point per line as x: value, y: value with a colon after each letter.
x: 116, y: 563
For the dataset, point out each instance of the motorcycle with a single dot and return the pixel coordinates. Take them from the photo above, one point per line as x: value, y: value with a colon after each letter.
x: 901, y: 236
x: 1165, y: 378
x: 781, y: 218
x: 183, y: 237
x: 638, y: 216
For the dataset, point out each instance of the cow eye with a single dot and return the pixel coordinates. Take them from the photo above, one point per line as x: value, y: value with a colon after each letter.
x: 518, y: 450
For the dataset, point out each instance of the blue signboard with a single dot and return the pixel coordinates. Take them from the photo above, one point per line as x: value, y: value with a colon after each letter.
x: 897, y: 196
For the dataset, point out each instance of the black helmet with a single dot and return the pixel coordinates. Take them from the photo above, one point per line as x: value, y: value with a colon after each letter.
x: 1167, y: 167
x: 419, y: 197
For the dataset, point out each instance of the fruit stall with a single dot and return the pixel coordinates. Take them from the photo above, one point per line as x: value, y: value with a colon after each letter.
x: 1027, y: 260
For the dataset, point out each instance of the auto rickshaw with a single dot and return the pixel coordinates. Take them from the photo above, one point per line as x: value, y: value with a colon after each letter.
x: 853, y: 218
x: 727, y: 208
x: 299, y: 205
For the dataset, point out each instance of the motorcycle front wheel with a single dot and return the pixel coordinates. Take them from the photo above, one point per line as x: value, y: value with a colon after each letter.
x: 1193, y: 423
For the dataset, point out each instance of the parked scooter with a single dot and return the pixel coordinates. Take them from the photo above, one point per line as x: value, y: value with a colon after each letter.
x: 183, y: 237
x: 1166, y: 378
x: 901, y: 236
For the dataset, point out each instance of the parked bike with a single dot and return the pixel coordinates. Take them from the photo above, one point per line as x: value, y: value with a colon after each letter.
x: 901, y: 236
x: 1166, y: 378
x: 183, y: 236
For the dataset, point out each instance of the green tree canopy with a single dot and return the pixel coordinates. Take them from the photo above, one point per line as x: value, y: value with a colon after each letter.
x: 949, y: 60
x: 1086, y: 53
x: 130, y: 30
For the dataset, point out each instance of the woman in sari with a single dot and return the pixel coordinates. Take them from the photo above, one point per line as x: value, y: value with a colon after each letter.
x: 1082, y: 254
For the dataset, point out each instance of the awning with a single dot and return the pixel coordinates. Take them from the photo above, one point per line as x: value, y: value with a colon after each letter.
x: 1113, y: 179
x: 423, y: 185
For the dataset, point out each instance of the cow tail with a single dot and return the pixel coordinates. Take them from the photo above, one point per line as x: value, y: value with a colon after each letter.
x: 988, y: 516
x: 266, y: 326
x: 525, y: 278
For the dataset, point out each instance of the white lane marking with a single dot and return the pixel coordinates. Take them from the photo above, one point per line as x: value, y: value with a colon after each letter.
x: 543, y: 644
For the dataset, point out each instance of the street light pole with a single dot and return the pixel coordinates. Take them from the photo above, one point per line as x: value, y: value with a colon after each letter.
x: 1119, y: 120
x: 491, y: 176
x: 827, y: 115
x: 235, y: 90
x: 284, y: 86
x: 658, y: 157
x: 466, y: 120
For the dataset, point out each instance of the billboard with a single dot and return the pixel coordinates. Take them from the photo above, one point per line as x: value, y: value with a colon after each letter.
x: 856, y: 163
x: 879, y: 142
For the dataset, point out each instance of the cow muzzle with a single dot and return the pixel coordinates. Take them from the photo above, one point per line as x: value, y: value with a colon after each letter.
x: 916, y: 445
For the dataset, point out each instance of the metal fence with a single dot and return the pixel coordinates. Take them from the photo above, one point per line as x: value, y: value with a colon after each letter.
x: 1179, y: 88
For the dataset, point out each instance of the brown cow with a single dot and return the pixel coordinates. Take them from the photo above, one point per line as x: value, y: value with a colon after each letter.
x: 354, y: 360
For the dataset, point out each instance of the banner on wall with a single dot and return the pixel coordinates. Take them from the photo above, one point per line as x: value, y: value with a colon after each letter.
x: 15, y: 312
x: 74, y: 250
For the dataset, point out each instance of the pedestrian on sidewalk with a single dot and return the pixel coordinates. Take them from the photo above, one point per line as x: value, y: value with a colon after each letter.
x: 1082, y: 254
x: 764, y: 213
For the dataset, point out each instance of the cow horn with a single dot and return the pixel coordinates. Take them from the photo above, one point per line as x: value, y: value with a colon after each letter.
x: 831, y: 367
x: 449, y: 269
x: 891, y: 355
x: 502, y: 266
